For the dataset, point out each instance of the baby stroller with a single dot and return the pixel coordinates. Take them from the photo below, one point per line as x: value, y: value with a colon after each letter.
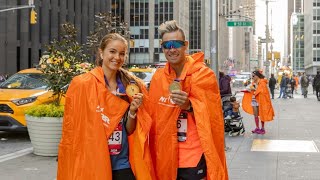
x: 289, y: 92
x: 233, y: 126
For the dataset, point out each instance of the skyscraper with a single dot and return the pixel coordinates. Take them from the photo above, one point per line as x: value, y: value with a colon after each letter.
x: 312, y: 36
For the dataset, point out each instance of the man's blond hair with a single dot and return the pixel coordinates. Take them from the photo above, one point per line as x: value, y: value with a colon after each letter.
x: 170, y: 26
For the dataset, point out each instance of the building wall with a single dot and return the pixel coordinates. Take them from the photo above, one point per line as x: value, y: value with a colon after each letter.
x: 312, y: 39
x: 21, y: 44
x: 300, y: 49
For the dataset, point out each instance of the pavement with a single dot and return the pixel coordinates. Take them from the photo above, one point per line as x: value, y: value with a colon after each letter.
x: 296, y: 119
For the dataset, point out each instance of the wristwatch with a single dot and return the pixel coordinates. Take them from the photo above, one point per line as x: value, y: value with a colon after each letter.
x: 190, y: 109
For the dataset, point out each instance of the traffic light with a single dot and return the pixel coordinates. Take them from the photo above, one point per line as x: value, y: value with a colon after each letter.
x: 33, y: 17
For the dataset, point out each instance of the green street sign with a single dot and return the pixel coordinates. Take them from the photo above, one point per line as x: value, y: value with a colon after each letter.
x: 239, y: 23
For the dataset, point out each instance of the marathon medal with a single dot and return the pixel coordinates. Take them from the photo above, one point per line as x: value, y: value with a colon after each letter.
x: 175, y: 85
x: 132, y: 89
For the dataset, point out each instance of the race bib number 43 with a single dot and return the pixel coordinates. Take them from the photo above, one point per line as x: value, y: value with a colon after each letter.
x: 182, y: 126
x: 115, y: 140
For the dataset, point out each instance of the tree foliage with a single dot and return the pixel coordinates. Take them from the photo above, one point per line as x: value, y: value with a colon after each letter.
x: 62, y: 61
x: 104, y: 24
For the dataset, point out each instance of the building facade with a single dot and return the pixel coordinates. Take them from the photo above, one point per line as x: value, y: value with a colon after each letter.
x: 312, y: 36
x: 21, y: 44
x: 298, y: 45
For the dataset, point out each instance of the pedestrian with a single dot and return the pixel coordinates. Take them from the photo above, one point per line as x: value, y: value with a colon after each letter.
x: 291, y: 84
x: 257, y: 102
x: 296, y: 78
x: 304, y: 85
x: 283, y: 86
x: 224, y: 84
x: 103, y: 107
x: 272, y: 85
x: 316, y: 84
x: 187, y: 136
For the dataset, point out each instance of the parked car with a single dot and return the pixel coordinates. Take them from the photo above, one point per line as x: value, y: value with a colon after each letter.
x: 18, y: 92
x: 239, y: 80
x: 144, y: 74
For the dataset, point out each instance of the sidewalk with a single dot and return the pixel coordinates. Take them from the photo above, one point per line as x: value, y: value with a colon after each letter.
x: 296, y: 119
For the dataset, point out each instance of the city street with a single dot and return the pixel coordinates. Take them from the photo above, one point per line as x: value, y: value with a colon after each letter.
x: 296, y: 119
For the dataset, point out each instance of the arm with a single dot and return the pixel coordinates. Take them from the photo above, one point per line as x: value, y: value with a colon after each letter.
x: 131, y: 122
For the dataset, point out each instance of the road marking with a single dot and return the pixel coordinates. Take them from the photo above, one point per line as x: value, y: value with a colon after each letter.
x: 284, y: 145
x: 16, y: 154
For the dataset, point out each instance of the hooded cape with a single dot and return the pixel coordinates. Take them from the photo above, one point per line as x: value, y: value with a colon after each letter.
x: 201, y: 84
x: 83, y: 149
x: 262, y: 94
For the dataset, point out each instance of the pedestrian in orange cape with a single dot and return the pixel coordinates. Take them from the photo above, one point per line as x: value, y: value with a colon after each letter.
x: 257, y: 102
x: 187, y: 135
x: 105, y: 130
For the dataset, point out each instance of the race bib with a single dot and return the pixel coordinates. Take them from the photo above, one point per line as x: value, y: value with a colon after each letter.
x: 182, y: 126
x: 115, y: 140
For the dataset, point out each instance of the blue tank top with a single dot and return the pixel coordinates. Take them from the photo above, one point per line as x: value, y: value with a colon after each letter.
x: 121, y: 160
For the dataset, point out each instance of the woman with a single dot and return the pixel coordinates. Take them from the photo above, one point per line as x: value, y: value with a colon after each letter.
x: 257, y: 102
x: 102, y: 123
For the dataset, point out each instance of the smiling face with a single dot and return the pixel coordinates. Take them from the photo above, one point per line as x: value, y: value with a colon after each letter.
x: 113, y: 55
x: 175, y: 56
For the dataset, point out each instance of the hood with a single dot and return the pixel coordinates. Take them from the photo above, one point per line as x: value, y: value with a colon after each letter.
x: 11, y: 94
x: 265, y: 81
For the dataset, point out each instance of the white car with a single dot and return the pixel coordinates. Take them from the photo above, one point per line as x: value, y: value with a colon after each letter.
x: 239, y: 80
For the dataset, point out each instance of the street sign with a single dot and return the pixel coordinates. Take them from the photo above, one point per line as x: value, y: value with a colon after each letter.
x: 264, y: 40
x: 266, y: 63
x: 239, y: 23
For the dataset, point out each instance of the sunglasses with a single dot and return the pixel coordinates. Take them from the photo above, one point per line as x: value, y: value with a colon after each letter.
x: 173, y: 44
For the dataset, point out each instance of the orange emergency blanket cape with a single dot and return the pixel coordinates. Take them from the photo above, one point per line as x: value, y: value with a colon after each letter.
x: 83, y: 149
x: 266, y: 112
x: 201, y: 84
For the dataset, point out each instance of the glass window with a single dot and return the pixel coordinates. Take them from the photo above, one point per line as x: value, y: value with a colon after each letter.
x: 25, y: 81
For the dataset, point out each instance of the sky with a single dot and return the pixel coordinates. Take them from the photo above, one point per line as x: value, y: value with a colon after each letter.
x: 277, y: 20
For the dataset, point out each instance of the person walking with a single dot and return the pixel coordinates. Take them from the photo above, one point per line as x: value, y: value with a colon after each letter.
x: 316, y: 84
x: 296, y: 78
x: 224, y: 84
x: 283, y: 86
x: 187, y: 134
x: 304, y: 85
x: 257, y: 102
x: 103, y: 107
x: 272, y: 85
x: 292, y: 84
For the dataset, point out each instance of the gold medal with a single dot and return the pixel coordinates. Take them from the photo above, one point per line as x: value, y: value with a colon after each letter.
x: 132, y: 89
x: 175, y: 85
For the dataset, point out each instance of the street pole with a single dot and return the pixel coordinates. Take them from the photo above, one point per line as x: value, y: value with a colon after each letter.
x: 267, y: 41
x: 214, y: 39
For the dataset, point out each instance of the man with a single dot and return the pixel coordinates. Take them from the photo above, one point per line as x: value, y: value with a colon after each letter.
x: 224, y: 84
x: 304, y: 85
x: 316, y: 84
x: 272, y: 85
x: 283, y: 86
x: 187, y: 135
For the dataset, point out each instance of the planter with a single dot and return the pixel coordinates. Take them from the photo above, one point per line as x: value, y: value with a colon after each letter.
x: 45, y: 134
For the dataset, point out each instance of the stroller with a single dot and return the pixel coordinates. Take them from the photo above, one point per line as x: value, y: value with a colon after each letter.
x: 233, y: 126
x: 289, y: 92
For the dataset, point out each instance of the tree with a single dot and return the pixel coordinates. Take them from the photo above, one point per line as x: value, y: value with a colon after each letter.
x: 62, y: 61
x: 104, y: 24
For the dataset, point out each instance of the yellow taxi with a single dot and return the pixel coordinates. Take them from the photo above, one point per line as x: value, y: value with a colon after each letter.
x: 144, y: 74
x: 22, y: 90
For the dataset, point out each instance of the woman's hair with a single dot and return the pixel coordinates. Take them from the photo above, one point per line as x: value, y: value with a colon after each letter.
x: 124, y: 75
x: 104, y: 43
x: 257, y: 73
x: 170, y: 26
